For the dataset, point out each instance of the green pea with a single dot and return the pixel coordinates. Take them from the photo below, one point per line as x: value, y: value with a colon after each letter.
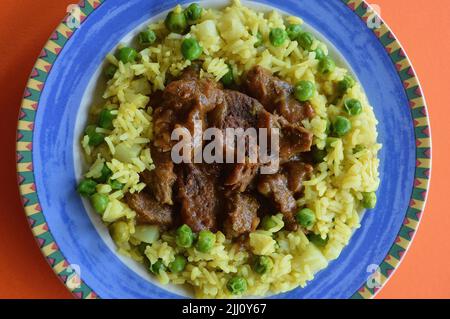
x: 206, y: 241
x: 341, y: 126
x: 95, y: 139
x: 346, y: 83
x: 127, y: 55
x: 320, y: 55
x: 293, y: 31
x: 305, y: 40
x: 268, y: 223
x: 191, y: 49
x: 262, y: 264
x: 277, y: 37
x: 147, y: 38
x: 306, y: 217
x: 317, y: 240
x: 304, y: 91
x: 176, y: 22
x: 178, y: 264
x: 105, y: 175
x: 193, y: 13
x: 184, y: 237
x: 318, y: 156
x: 369, y: 200
x: 237, y: 285
x: 228, y: 79
x: 110, y: 70
x: 116, y: 185
x: 259, y: 40
x: 353, y: 106
x: 106, y: 119
x: 157, y: 267
x: 99, y: 202
x: 87, y: 187
x: 120, y: 232
x: 327, y: 65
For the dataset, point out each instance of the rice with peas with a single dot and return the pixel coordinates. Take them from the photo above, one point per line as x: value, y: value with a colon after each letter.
x: 334, y: 193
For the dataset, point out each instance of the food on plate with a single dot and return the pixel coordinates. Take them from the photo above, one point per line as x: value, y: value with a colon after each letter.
x: 228, y: 229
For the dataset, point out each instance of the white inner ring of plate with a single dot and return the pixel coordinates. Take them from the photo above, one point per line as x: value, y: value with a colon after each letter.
x: 93, y: 95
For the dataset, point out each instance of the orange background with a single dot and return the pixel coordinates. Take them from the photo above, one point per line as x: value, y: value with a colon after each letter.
x: 422, y: 28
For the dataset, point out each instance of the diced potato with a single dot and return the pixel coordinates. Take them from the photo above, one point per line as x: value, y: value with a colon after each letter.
x: 126, y: 152
x: 314, y: 258
x: 261, y: 243
x: 206, y: 31
x: 114, y: 211
x: 231, y: 27
x: 147, y: 233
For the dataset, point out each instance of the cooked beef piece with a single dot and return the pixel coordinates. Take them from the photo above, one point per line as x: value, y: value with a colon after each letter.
x: 163, y: 124
x: 199, y: 196
x: 161, y: 180
x: 237, y: 111
x: 155, y: 99
x: 240, y: 175
x: 182, y: 95
x: 195, y: 115
x: 283, y: 188
x: 182, y: 102
x: 266, y: 88
x: 268, y: 120
x: 192, y: 72
x: 276, y: 188
x: 242, y: 217
x: 296, y: 173
x: 149, y: 211
x: 293, y: 138
x: 276, y: 95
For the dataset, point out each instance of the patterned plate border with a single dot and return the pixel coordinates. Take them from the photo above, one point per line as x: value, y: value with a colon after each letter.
x: 422, y: 134
x: 30, y: 104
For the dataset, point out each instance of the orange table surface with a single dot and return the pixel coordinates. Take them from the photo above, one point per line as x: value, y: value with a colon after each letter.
x: 423, y: 29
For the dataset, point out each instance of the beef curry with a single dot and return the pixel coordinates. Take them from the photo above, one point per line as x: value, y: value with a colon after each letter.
x: 231, y: 198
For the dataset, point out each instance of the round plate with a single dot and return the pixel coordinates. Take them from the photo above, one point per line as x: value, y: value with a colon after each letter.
x: 75, y: 244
